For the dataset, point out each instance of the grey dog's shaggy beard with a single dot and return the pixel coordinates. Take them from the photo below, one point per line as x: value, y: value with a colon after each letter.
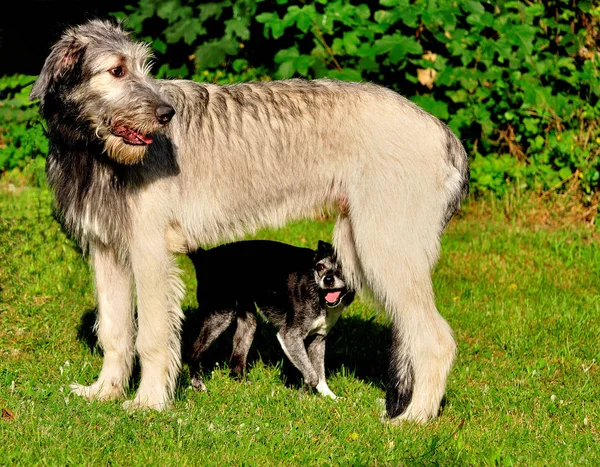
x: 135, y: 189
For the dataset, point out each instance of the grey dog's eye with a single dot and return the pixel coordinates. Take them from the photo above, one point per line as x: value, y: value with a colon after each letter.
x: 117, y: 71
x: 320, y: 267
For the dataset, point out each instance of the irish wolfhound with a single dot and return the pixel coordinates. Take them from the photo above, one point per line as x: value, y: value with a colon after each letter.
x: 134, y: 189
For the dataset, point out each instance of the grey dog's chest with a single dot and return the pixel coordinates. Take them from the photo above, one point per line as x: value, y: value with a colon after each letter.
x: 324, y: 322
x: 306, y: 319
x: 90, y: 201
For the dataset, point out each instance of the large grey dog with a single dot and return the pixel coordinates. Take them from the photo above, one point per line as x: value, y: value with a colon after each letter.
x: 143, y: 168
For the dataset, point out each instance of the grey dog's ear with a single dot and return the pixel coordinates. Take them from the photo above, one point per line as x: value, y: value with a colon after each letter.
x: 62, y: 60
x: 324, y: 249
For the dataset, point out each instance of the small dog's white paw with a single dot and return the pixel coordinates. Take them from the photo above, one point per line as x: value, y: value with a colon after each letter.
x: 324, y: 390
x: 198, y: 384
x: 99, y: 390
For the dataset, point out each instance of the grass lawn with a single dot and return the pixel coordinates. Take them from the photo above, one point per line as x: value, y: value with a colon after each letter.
x: 524, y: 303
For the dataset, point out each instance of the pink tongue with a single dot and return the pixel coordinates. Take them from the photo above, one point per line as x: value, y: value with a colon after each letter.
x: 131, y: 136
x: 134, y: 137
x: 332, y: 297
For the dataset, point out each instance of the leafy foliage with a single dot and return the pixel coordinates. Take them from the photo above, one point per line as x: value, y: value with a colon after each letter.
x: 517, y: 81
x: 23, y: 144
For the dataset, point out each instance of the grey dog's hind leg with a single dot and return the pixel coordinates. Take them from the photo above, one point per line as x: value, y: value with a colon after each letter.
x: 242, y: 340
x: 213, y: 325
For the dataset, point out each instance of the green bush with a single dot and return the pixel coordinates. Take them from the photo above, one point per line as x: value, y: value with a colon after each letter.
x: 23, y: 144
x: 517, y: 81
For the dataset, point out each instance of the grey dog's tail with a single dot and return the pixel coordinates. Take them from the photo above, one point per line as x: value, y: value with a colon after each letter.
x: 458, y: 189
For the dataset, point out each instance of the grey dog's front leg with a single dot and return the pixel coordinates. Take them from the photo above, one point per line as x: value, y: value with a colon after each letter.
x: 292, y: 344
x: 316, y: 354
x: 115, y: 325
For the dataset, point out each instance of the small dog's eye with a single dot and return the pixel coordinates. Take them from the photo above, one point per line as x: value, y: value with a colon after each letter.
x: 117, y: 71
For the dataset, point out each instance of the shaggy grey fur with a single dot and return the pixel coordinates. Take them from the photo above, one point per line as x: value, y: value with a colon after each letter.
x: 144, y: 168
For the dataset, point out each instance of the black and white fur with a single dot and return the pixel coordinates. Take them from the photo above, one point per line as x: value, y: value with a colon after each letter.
x: 143, y: 169
x: 301, y: 291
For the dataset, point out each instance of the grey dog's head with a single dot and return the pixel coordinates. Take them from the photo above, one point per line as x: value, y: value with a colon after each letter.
x: 97, y: 78
x: 329, y: 277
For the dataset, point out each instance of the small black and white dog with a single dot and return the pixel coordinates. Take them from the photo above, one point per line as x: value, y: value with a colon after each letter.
x: 301, y: 291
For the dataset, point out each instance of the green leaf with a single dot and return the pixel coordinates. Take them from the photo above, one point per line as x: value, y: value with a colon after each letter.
x: 267, y: 17
x: 237, y: 27
x: 381, y: 16
x: 286, y: 54
x: 167, y: 9
x: 531, y: 125
x: 159, y: 46
x: 273, y: 24
x: 351, y: 42
x: 301, y: 65
x: 188, y: 30
x: 347, y: 74
x: 239, y: 65
x: 363, y: 11
x: 435, y: 107
x: 397, y: 47
x: 368, y: 64
x: 525, y: 35
x: 212, y: 54
x: 537, y: 9
x: 473, y: 7
x: 304, y: 22
x: 286, y: 70
x: 565, y: 173
x: 337, y: 46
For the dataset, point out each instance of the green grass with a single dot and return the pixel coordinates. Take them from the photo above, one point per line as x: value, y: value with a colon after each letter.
x: 524, y: 303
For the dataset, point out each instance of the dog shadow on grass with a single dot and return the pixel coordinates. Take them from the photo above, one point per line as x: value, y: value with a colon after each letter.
x: 355, y: 347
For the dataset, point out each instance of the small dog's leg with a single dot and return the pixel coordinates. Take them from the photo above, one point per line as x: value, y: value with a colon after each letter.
x: 242, y: 340
x: 292, y: 344
x: 159, y: 293
x: 114, y: 326
x: 213, y: 325
x: 316, y: 354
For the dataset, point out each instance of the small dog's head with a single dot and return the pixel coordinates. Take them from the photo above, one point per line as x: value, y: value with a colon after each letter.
x: 95, y: 85
x: 329, y: 277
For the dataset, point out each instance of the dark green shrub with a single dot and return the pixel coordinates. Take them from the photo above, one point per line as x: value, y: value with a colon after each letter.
x: 23, y: 145
x: 517, y: 81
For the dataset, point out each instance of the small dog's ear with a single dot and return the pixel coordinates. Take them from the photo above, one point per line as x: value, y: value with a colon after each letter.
x: 63, y: 59
x: 324, y: 249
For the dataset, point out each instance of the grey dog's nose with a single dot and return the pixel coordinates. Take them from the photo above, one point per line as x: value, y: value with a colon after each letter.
x: 164, y: 113
x: 328, y: 281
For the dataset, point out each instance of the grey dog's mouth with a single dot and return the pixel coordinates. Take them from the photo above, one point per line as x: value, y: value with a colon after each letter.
x: 333, y: 297
x: 130, y: 136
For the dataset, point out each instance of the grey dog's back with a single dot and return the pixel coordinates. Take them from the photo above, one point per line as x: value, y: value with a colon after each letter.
x: 247, y: 272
